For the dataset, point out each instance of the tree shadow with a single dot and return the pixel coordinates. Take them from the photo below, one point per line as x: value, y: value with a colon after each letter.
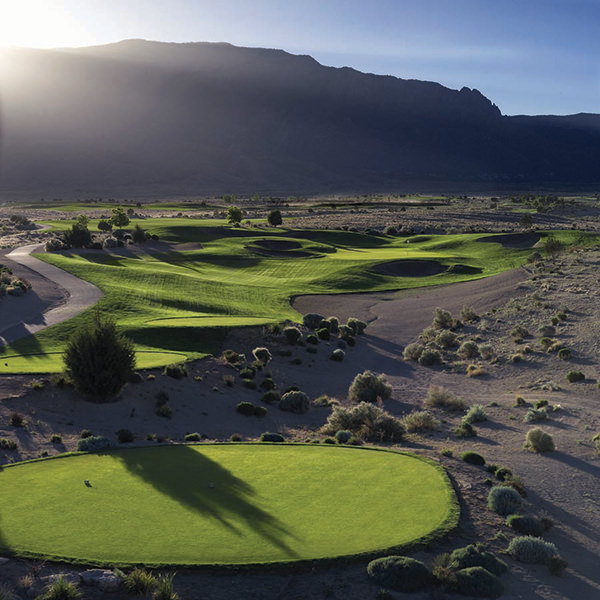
x: 198, y: 483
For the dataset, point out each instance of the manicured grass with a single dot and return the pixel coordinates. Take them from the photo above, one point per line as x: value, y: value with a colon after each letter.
x: 268, y: 504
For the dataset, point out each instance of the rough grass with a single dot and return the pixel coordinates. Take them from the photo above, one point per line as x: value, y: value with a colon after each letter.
x: 157, y: 506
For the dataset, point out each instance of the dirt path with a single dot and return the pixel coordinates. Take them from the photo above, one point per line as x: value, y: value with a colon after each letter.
x: 56, y: 297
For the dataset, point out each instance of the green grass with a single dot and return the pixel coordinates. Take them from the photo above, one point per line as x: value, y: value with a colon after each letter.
x: 269, y: 504
x: 183, y: 302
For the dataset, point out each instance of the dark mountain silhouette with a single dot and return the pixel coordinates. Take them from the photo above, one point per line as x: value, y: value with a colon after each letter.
x: 153, y: 118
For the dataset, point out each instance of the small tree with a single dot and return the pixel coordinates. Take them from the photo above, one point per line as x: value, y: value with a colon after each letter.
x: 138, y: 235
x: 98, y: 359
x: 234, y: 214
x: 526, y: 221
x: 119, y: 217
x: 553, y: 248
x: 78, y: 236
x: 274, y: 218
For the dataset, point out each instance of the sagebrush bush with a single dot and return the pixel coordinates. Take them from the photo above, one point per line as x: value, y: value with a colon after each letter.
x: 446, y: 339
x: 292, y: 335
x: 366, y: 421
x: 465, y: 430
x: 574, y: 376
x: 337, y: 355
x: 8, y: 444
x: 312, y: 339
x: 535, y: 414
x: 295, y: 401
x: 473, y: 458
x: 323, y: 334
x: 547, y: 331
x: 474, y: 555
x: 430, y: 357
x: 312, y: 320
x: 531, y: 550
x: 442, y: 319
x: 476, y: 414
x: 526, y: 525
x: 233, y: 357
x: 245, y: 408
x: 343, y: 435
x: 176, y: 371
x: 400, y: 573
x: 441, y: 397
x: 556, y: 565
x: 420, y: 420
x: 537, y: 440
x: 468, y: 349
x: 270, y: 397
x: 486, y: 351
x: 368, y: 387
x: 504, y: 500
x: 468, y: 314
x: 479, y: 582
x: 94, y: 443
x: 356, y: 326
x: 267, y: 436
x: 98, y: 360
x: 262, y: 355
x: 413, y: 351
x: 139, y: 582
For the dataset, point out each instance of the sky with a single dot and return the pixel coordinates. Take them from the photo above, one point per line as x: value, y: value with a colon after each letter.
x: 527, y: 56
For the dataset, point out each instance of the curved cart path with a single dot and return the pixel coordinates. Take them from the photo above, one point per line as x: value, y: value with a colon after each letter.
x: 24, y: 316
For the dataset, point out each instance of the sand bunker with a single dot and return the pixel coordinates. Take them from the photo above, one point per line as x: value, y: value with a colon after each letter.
x: 410, y: 268
x: 513, y: 240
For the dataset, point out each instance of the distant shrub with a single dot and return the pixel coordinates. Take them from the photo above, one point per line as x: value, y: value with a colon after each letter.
x: 430, y: 357
x: 270, y: 397
x: 233, y: 357
x: 334, y: 324
x: 535, y: 414
x: 271, y: 437
x: 474, y: 555
x: 476, y: 414
x: 399, y: 573
x: 262, y: 355
x: 479, y: 582
x: 164, y: 411
x: 235, y: 437
x: 312, y: 320
x: 547, y: 331
x: 390, y: 230
x: 343, y: 435
x: 468, y: 349
x: 192, y: 437
x: 446, y: 339
x: 176, y: 371
x: 556, y: 565
x: 17, y: 420
x: 323, y: 333
x: 504, y: 500
x: 473, y: 458
x: 245, y: 408
x: 366, y: 421
x: 368, y: 387
x: 519, y: 332
x: 413, y: 351
x: 526, y: 525
x: 465, y: 430
x: 85, y: 433
x: 124, y: 436
x: 419, y: 421
x: 574, y: 376
x: 260, y: 411
x: 564, y: 354
x: 94, y: 443
x: 531, y: 550
x: 295, y: 402
x: 538, y: 440
x: 442, y: 319
x: 337, y: 355
x: 486, y: 351
x: 468, y: 314
x: 8, y: 444
x: 441, y: 397
x: 330, y: 440
x: 56, y: 438
x: 292, y: 335
x: 139, y: 582
x: 356, y: 326
x: 312, y: 339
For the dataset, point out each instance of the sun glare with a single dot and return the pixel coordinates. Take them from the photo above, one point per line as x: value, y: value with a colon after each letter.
x: 39, y: 24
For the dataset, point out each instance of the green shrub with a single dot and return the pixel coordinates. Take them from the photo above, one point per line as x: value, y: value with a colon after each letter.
x: 526, y: 525
x: 192, y: 437
x: 85, y: 433
x: 574, y: 376
x: 366, y: 421
x: 468, y: 349
x: 476, y: 414
x: 413, y: 351
x: 442, y: 319
x: 356, y: 326
x: 504, y: 500
x: 531, y: 550
x: 446, y: 339
x: 535, y: 414
x: 176, y: 371
x: 368, y: 387
x: 343, y: 435
x: 94, y: 443
x: 267, y: 384
x: 292, y: 335
x: 271, y: 437
x: 260, y: 411
x: 8, y: 444
x: 295, y: 402
x: 473, y: 458
x: 98, y: 360
x: 503, y: 473
x: 419, y: 421
x: 164, y: 588
x: 323, y: 334
x: 60, y: 589
x: 245, y: 408
x: 235, y: 437
x: 262, y: 355
x: 270, y: 397
x: 564, y: 354
x: 124, y: 436
x: 430, y: 357
x: 337, y: 355
x: 139, y: 582
x: 538, y: 440
x: 399, y: 573
x: 440, y: 397
x: 312, y: 339
x: 330, y: 440
x: 478, y: 582
x: 475, y: 556
x: 312, y: 320
x: 465, y: 430
x: 334, y: 324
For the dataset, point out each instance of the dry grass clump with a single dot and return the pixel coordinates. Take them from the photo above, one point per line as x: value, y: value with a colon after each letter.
x: 475, y: 371
x: 420, y: 421
x: 438, y: 396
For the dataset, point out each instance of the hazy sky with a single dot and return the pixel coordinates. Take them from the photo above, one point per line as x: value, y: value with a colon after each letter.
x: 527, y: 56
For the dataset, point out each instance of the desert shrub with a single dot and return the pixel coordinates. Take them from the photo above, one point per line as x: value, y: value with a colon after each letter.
x: 192, y: 437
x: 85, y: 433
x: 233, y: 357
x: 474, y: 555
x: 390, y: 230
x: 442, y: 319
x: 446, y: 339
x: 124, y: 436
x: 538, y: 440
x: 60, y: 589
x: 330, y: 440
x: 260, y: 411
x: 176, y: 371
x: 502, y: 473
x: 368, y: 387
x: 343, y: 435
x: 249, y: 383
x: 56, y: 438
x: 54, y: 244
x: 247, y: 372
x: 164, y: 410
x: 465, y: 430
x: 504, y: 500
x: 430, y: 357
x: 447, y: 452
x: 531, y: 550
x: 323, y: 334
x: 245, y: 408
x: 546, y: 342
x: 547, y: 331
x: 535, y: 414
x: 468, y: 314
x: 7, y: 593
x: 325, y: 324
x: 94, y: 443
x: 17, y: 420
x: 267, y: 384
x: 366, y: 421
x: 473, y: 458
x: 312, y: 320
x: 295, y: 402
x: 468, y: 349
x: 519, y: 332
x: 478, y: 582
x: 292, y: 335
x: 139, y: 582
x: 574, y: 376
x: 312, y: 339
x: 356, y: 326
x: 271, y: 437
x: 556, y: 565
x: 526, y: 525
x: 348, y: 339
x: 334, y: 324
x: 564, y: 354
x: 8, y: 444
x: 399, y: 573
x: 325, y: 400
x: 486, y: 351
x: 164, y: 588
x: 413, y: 351
x: 534, y: 257
x: 441, y: 397
x: 262, y: 355
x: 270, y: 397
x: 476, y: 414
x: 337, y: 355
x: 235, y: 437
x: 420, y: 420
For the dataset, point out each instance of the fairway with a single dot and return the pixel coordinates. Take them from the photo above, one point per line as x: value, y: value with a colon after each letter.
x: 227, y: 504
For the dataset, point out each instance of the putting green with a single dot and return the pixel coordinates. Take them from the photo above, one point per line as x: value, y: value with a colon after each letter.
x: 222, y: 504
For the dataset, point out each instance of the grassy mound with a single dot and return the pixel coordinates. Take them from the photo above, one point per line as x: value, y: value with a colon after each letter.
x: 228, y: 504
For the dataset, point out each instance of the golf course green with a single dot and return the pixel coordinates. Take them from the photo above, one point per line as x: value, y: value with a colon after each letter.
x: 222, y: 504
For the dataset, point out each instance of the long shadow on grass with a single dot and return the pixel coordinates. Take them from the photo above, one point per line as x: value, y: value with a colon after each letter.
x: 186, y: 476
